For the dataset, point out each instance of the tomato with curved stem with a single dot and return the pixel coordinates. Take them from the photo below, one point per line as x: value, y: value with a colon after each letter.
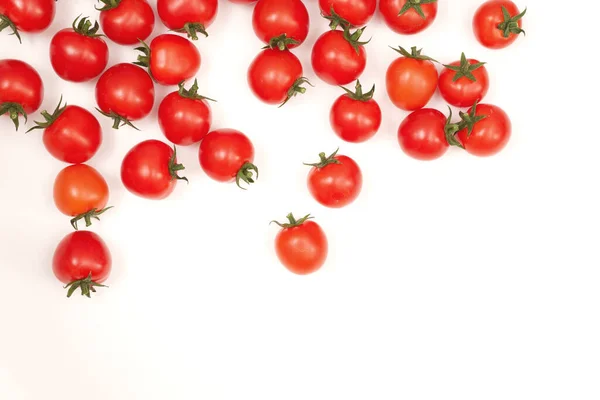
x: 272, y: 18
x: 80, y: 192
x: 125, y: 93
x: 27, y: 16
x: 227, y: 155
x: 82, y: 261
x: 301, y: 245
x: 79, y: 54
x: 184, y: 116
x: 408, y: 17
x: 498, y: 23
x: 486, y: 130
x: 188, y: 16
x: 355, y: 116
x: 150, y: 170
x: 335, y: 181
x: 464, y: 82
x: 21, y: 90
x: 356, y: 12
x: 411, y: 80
x: 126, y: 21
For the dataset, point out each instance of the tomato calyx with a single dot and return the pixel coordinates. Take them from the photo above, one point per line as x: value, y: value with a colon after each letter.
x: 416, y: 5
x: 118, y: 120
x: 108, y: 5
x: 451, y: 130
x: 246, y: 174
x: 296, y: 89
x: 174, y: 167
x: 192, y: 29
x: 414, y: 53
x: 336, y: 20
x: 470, y: 119
x: 5, y: 22
x: 325, y: 160
x: 354, y: 38
x: 84, y: 27
x: 464, y: 69
x: 13, y: 110
x: 509, y: 25
x: 143, y: 59
x: 87, y: 286
x: 358, y: 93
x: 87, y: 217
x: 292, y: 222
x: 192, y: 92
x: 50, y: 118
x: 281, y: 42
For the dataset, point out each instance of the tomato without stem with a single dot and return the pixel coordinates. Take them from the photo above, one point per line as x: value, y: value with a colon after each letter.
x: 27, y: 16
x: 422, y: 134
x: 464, y: 82
x: 335, y: 181
x: 356, y: 12
x: 497, y: 23
x: 188, y: 16
x: 272, y: 18
x: 355, y: 116
x: 339, y: 58
x: 126, y: 21
x: 487, y: 130
x: 408, y: 16
x: 21, y: 89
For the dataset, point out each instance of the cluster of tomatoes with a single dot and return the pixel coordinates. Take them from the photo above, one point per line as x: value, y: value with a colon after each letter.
x: 125, y: 93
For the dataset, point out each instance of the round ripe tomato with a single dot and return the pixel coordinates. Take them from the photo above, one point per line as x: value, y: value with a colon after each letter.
x: 464, y: 82
x: 411, y: 80
x: 82, y: 261
x: 408, y: 16
x: 338, y: 57
x: 355, y: 116
x: 184, y: 116
x: 226, y: 155
x: 335, y: 181
x: 79, y: 54
x: 21, y: 89
x: 301, y: 245
x: 150, y: 170
x: 125, y: 93
x: 189, y: 16
x: 497, y: 23
x: 356, y: 12
x: 422, y: 134
x: 487, y: 130
x: 80, y: 192
x: 26, y: 16
x: 272, y: 18
x: 126, y: 21
x: 161, y: 55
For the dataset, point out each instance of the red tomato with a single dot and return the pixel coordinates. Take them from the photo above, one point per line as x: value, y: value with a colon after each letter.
x: 126, y: 21
x: 79, y: 53
x: 150, y: 170
x: 408, y: 16
x: 464, y: 82
x: 355, y: 12
x: 21, y: 89
x: 422, y: 134
x: 161, y: 55
x: 226, y: 155
x: 355, y: 117
x: 188, y: 16
x: 487, y: 130
x: 82, y: 261
x: 335, y: 181
x: 125, y: 93
x: 272, y: 18
x: 80, y: 192
x: 301, y: 245
x: 338, y: 57
x: 411, y: 80
x: 27, y: 16
x: 184, y: 116
x: 497, y: 23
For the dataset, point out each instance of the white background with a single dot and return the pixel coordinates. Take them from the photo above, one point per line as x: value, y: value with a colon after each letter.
x: 463, y: 278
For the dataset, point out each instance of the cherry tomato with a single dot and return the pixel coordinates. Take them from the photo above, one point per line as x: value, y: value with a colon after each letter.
x: 188, y: 16
x: 301, y: 245
x: 335, y: 181
x: 339, y: 57
x: 497, y: 23
x: 80, y: 192
x: 126, y: 21
x: 408, y: 16
x: 27, y: 16
x: 226, y: 155
x: 272, y: 18
x: 355, y: 116
x: 487, y: 130
x: 356, y: 12
x: 21, y: 89
x: 79, y: 54
x: 82, y: 261
x: 150, y: 170
x: 160, y: 56
x: 411, y: 80
x: 464, y: 82
x: 125, y: 93
x: 422, y: 134
x: 184, y: 116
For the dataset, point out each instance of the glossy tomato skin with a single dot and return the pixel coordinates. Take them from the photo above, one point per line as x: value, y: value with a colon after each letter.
x: 79, y: 254
x: 126, y: 90
x: 223, y: 153
x: 184, y: 121
x: 76, y: 57
x: 129, y: 22
x: 173, y: 59
x: 486, y: 20
x: 272, y: 18
x: 20, y: 83
x: 272, y: 73
x: 74, y: 137
x: 31, y: 15
x: 336, y: 185
x: 355, y: 121
x: 490, y: 135
x: 464, y: 92
x: 410, y: 22
x: 176, y: 13
x: 78, y: 189
x: 302, y: 249
x: 411, y: 82
x: 421, y: 135
x: 356, y: 12
x: 335, y: 61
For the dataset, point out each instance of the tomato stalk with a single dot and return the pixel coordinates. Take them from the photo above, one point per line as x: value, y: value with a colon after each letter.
x: 296, y: 89
x: 451, y: 130
x: 86, y: 285
x: 509, y: 25
x: 354, y: 38
x: 246, y: 174
x: 108, y: 5
x: 415, y: 5
x: 358, y: 93
x: 84, y: 27
x: 5, y: 22
x: 468, y: 121
x: 174, y: 167
x: 50, y: 118
x: 414, y: 53
x: 325, y: 160
x: 464, y: 69
x: 118, y: 120
x: 87, y: 217
x: 192, y: 92
x: 335, y: 20
x: 281, y: 42
x: 13, y: 110
x: 192, y: 29
x: 292, y: 222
